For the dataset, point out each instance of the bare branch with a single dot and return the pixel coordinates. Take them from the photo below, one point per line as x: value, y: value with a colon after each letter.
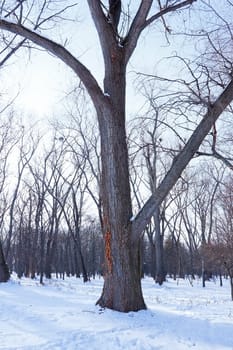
x: 104, y: 29
x: 181, y: 161
x: 140, y: 22
x: 12, y: 51
x: 63, y: 54
x: 39, y: 22
x: 168, y: 9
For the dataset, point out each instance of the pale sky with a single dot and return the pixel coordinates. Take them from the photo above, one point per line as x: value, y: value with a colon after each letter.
x: 43, y: 80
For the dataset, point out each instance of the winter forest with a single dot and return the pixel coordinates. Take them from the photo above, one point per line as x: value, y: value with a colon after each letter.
x: 130, y: 175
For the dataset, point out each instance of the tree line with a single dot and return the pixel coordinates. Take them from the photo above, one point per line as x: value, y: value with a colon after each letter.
x: 51, y: 208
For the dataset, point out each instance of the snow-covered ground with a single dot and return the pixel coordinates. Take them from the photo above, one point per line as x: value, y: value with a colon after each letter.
x: 63, y: 315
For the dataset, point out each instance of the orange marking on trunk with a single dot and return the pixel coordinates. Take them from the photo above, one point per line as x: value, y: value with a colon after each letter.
x: 108, y: 251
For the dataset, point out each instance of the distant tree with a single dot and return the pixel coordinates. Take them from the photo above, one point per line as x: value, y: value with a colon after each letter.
x: 176, y: 258
x: 224, y: 229
x: 6, y: 134
x: 82, y: 135
x: 8, y: 141
x: 71, y: 198
x: 175, y: 252
x: 4, y: 270
x: 92, y: 242
x: 154, y: 167
x: 22, y: 258
x: 26, y: 151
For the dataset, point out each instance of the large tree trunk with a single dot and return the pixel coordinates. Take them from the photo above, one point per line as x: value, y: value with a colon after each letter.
x: 122, y: 285
x: 122, y: 279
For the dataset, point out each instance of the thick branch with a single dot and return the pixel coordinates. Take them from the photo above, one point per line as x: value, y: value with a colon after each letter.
x: 115, y: 12
x: 218, y: 156
x: 59, y: 51
x: 12, y: 52
x: 182, y: 160
x: 140, y: 22
x: 104, y: 29
x: 136, y: 28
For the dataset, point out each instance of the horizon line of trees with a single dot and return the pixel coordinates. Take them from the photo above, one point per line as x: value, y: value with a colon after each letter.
x: 50, y: 203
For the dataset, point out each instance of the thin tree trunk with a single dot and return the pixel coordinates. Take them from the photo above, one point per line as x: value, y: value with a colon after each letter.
x: 160, y: 273
x: 203, y: 272
x: 220, y: 279
x: 231, y: 282
x: 153, y: 261
x: 4, y: 270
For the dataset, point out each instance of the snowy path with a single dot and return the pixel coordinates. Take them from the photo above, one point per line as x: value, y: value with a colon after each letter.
x: 63, y: 315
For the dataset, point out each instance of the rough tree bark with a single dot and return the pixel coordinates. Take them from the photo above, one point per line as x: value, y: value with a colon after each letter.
x: 122, y: 285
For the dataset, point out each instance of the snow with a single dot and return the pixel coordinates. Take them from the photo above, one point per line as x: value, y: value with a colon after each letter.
x: 63, y: 315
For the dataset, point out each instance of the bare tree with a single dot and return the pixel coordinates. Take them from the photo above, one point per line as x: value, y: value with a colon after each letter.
x: 71, y: 197
x: 148, y: 153
x: 26, y: 152
x: 6, y: 135
x: 82, y: 136
x: 122, y: 286
x: 8, y: 140
x: 223, y: 244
